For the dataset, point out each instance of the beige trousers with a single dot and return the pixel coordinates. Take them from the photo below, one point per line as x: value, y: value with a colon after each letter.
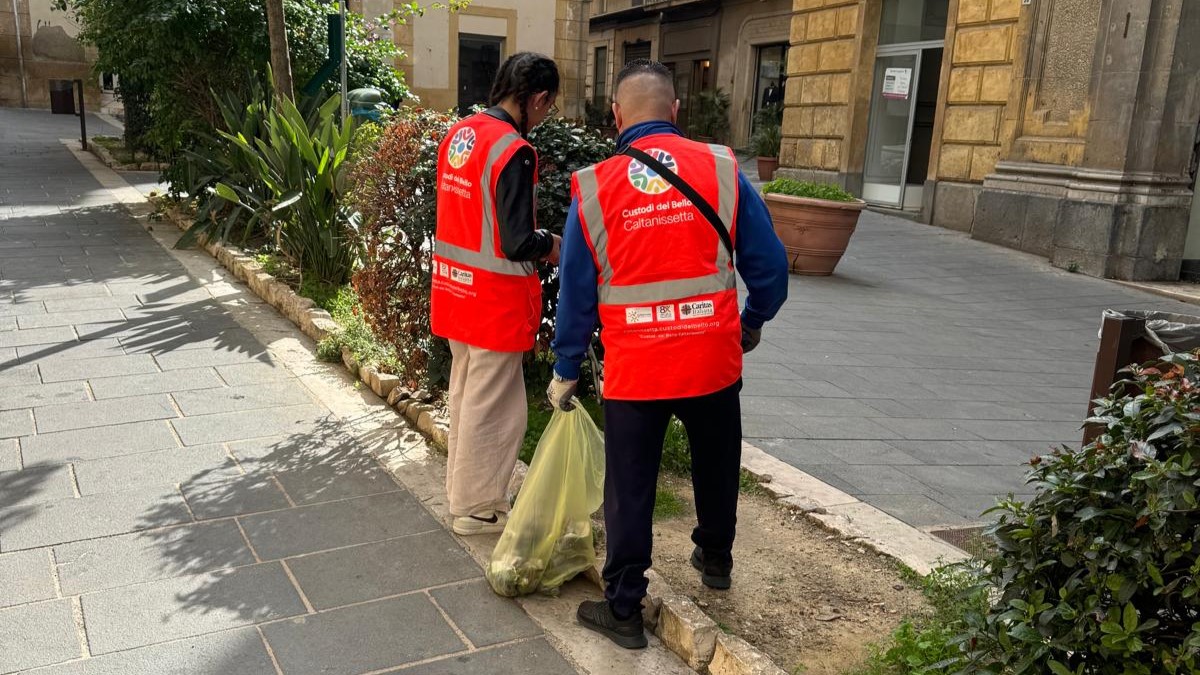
x: 488, y: 416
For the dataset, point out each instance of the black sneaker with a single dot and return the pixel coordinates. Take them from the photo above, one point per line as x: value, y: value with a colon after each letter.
x: 598, y: 616
x: 713, y: 574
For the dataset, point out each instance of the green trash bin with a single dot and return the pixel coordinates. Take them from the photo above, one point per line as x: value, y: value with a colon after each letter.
x: 366, y: 103
x: 62, y: 97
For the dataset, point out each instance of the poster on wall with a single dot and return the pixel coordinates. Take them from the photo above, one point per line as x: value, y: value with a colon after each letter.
x: 896, y: 83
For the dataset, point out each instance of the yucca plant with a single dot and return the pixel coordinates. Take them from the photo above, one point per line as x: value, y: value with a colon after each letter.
x: 301, y: 162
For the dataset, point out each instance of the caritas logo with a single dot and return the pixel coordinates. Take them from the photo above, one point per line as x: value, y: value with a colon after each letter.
x: 696, y: 310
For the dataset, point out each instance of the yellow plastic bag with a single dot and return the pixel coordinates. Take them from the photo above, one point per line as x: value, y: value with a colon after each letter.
x: 548, y: 539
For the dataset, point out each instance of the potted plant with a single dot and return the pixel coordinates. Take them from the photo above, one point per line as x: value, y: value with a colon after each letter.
x: 814, y: 221
x: 709, y: 116
x: 766, y: 143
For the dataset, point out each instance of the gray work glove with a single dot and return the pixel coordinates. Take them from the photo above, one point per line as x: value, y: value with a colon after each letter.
x: 750, y: 338
x: 560, y: 392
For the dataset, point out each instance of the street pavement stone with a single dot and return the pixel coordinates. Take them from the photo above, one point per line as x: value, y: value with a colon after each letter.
x: 482, y: 616
x: 163, y: 467
x: 10, y: 455
x: 249, y: 397
x: 235, y: 652
x: 84, y: 444
x: 186, y: 606
x: 154, y: 383
x: 533, y: 657
x: 969, y: 359
x: 37, y: 635
x: 247, y: 424
x: 381, y: 633
x: 65, y: 417
x: 381, y: 569
x: 25, y: 577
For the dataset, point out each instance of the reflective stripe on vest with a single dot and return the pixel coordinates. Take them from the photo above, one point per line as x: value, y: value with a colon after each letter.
x: 722, y: 280
x: 485, y: 258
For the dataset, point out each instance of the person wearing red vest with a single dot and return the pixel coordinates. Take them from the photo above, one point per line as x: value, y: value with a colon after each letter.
x: 652, y: 260
x: 486, y: 298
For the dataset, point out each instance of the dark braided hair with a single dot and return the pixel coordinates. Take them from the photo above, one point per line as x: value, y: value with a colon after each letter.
x: 524, y: 75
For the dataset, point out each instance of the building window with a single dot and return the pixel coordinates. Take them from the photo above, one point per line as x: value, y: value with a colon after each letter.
x: 478, y: 62
x: 637, y: 50
x: 769, y: 81
x: 600, y: 78
x: 913, y: 21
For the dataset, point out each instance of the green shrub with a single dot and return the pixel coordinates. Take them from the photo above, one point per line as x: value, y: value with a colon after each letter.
x: 709, y: 114
x: 1098, y: 573
x: 302, y: 164
x: 767, y: 140
x: 799, y: 188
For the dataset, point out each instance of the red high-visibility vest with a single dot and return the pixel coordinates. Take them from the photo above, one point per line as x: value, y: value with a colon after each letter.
x: 667, y: 292
x: 479, y: 296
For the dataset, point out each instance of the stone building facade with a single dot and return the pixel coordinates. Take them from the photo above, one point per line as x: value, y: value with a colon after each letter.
x: 1065, y: 128
x: 737, y: 46
x: 452, y: 57
x: 38, y: 44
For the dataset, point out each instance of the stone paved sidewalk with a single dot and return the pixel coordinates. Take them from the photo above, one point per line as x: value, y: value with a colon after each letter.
x: 924, y: 373
x: 172, y: 499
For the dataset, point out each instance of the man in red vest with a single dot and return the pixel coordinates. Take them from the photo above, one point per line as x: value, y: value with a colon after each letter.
x: 649, y: 252
x: 486, y: 298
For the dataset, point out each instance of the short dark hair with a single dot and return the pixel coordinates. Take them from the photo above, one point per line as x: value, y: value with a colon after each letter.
x: 644, y: 67
x: 524, y: 75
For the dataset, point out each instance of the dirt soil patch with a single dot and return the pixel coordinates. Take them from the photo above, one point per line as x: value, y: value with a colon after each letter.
x: 809, y: 599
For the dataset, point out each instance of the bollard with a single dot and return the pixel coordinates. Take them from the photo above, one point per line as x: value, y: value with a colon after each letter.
x: 82, y: 115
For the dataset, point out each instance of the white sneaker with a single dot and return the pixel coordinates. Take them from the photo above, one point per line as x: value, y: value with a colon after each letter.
x: 478, y: 524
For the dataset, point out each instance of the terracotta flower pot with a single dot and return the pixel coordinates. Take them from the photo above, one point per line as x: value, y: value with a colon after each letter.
x: 815, y: 232
x: 766, y: 168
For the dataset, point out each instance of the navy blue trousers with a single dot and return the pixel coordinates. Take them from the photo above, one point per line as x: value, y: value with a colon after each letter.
x: 633, y: 443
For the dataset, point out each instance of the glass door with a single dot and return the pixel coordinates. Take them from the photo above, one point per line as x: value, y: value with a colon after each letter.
x: 892, y: 102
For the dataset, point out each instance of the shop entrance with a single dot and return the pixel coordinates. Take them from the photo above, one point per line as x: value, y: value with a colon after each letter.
x: 904, y: 92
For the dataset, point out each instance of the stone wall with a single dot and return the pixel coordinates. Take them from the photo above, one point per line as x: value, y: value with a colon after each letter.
x: 570, y: 31
x: 746, y: 25
x: 50, y: 52
x: 827, y: 47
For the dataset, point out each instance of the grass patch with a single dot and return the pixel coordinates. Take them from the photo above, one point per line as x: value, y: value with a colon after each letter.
x: 667, y: 504
x: 749, y: 485
x: 116, y: 148
x: 922, y: 643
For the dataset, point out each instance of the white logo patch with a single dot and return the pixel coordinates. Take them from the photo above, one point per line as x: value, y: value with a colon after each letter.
x: 665, y: 312
x: 696, y: 310
x: 443, y: 269
x: 636, y: 315
x: 462, y: 276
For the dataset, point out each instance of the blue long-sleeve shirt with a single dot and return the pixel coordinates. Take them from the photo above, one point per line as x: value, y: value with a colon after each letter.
x: 759, y: 258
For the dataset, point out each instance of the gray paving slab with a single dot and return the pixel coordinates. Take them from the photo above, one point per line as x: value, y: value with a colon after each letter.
x: 217, y: 497
x: 84, y: 369
x: 531, y: 657
x: 25, y: 577
x: 65, y: 520
x: 335, y: 524
x: 104, y: 413
x: 252, y: 373
x: 181, y: 607
x: 70, y: 318
x: 37, y: 336
x: 84, y: 349
x: 372, y: 571
x: 128, y: 559
x: 37, y: 635
x: 154, y: 383
x: 247, y: 424
x: 248, y: 397
x: 235, y: 652
x: 194, y: 358
x: 35, y: 484
x: 921, y: 511
x: 484, y: 617
x: 15, y: 423
x: 381, y: 633
x: 84, y: 444
x: 10, y: 454
x: 89, y: 304
x: 159, y: 468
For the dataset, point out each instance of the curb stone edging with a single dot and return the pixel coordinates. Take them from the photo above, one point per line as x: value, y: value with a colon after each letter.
x: 111, y: 162
x: 681, y: 625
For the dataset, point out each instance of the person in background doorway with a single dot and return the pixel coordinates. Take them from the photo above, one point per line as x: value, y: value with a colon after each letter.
x: 644, y: 261
x: 487, y: 299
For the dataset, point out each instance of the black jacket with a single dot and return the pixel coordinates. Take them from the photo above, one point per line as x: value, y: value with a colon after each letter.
x: 516, y: 204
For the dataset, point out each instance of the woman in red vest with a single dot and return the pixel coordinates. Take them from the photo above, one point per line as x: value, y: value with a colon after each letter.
x: 487, y: 300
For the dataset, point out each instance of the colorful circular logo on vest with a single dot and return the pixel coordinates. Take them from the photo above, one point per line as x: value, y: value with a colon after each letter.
x: 645, y: 179
x: 461, y: 146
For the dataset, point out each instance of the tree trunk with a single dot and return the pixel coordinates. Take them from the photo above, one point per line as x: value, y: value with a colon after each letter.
x: 281, y: 62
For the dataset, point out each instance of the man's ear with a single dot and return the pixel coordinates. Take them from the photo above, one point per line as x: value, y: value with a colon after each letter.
x: 675, y: 112
x: 616, y: 111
